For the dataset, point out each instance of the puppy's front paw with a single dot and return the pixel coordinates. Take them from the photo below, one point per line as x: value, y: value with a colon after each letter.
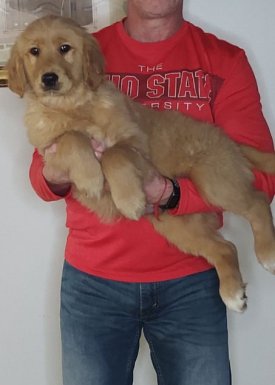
x: 89, y: 181
x: 133, y: 206
x: 94, y: 187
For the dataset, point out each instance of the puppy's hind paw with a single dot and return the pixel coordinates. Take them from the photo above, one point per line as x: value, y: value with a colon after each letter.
x: 269, y: 266
x: 267, y: 259
x: 235, y: 298
x: 237, y: 303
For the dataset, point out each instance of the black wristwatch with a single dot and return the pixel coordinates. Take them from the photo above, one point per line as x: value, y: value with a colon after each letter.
x: 174, y: 197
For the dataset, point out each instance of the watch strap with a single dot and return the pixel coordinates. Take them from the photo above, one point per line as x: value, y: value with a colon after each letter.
x: 174, y: 197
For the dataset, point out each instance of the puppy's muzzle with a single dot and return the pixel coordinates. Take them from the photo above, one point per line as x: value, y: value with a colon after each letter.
x: 50, y: 81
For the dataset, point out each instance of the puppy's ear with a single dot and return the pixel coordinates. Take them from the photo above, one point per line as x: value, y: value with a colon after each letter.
x: 93, y: 63
x: 16, y: 74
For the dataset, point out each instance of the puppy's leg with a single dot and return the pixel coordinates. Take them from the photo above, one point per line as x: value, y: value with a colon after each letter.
x: 75, y: 156
x: 257, y: 212
x: 264, y: 161
x: 197, y: 234
x: 253, y: 206
x: 124, y: 170
x: 231, y: 188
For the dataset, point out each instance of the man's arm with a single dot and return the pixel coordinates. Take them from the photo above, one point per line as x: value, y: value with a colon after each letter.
x: 48, y: 185
x: 238, y: 111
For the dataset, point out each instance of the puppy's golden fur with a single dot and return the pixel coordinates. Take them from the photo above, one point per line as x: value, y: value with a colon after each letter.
x: 75, y: 104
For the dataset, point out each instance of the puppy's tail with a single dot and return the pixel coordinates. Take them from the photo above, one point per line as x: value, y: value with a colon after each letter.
x: 263, y: 161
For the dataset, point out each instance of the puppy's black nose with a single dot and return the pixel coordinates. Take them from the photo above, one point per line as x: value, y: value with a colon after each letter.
x: 49, y: 79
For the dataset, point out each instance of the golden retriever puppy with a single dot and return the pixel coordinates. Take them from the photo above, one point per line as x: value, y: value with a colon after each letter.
x: 58, y: 67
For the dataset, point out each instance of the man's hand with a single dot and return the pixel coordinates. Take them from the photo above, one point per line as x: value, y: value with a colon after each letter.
x: 98, y: 148
x: 158, y: 190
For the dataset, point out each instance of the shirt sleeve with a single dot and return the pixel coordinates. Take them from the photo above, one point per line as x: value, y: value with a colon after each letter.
x: 238, y: 111
x: 38, y: 182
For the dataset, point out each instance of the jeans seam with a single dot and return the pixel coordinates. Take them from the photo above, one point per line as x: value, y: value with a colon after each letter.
x: 129, y: 371
x: 140, y: 300
x: 155, y: 362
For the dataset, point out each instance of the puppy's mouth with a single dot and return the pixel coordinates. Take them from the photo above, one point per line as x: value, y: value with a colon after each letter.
x: 56, y: 87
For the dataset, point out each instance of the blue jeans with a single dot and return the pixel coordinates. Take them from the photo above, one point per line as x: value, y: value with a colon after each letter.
x: 183, y: 320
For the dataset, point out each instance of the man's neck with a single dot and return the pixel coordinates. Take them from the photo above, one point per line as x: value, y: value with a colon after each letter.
x: 152, y: 30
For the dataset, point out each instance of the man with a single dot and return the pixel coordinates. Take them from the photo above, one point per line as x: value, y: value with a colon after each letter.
x: 122, y: 278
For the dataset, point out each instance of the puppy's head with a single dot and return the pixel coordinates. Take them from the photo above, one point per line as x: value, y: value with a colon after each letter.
x: 52, y: 57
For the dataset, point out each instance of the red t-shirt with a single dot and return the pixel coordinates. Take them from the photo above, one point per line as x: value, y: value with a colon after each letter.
x: 197, y: 74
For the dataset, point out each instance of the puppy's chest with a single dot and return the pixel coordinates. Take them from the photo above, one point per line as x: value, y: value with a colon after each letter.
x: 109, y: 125
x: 113, y: 126
x: 112, y: 123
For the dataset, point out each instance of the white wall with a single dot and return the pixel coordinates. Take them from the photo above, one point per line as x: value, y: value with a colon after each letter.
x: 32, y: 234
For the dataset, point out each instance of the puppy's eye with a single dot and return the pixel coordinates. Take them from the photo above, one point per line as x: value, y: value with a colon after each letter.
x: 64, y: 48
x: 34, y: 51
